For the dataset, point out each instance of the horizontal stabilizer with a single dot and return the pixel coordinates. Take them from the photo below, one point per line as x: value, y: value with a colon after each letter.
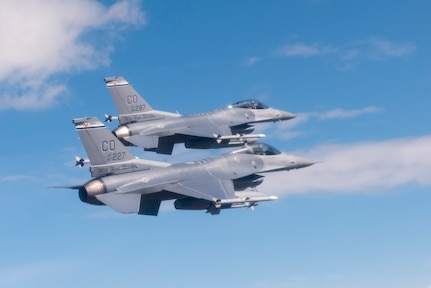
x: 130, y: 203
x: 123, y: 203
x: 144, y: 142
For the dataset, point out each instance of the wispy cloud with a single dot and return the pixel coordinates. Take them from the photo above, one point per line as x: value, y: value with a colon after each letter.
x: 41, y: 41
x: 16, y: 178
x: 40, y: 272
x: 345, y: 55
x: 285, y: 129
x: 300, y: 49
x: 379, y: 48
x: 342, y: 113
x: 361, y: 167
x: 251, y: 61
x: 371, y: 49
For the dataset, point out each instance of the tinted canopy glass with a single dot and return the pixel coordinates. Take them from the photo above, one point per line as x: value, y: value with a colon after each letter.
x: 249, y: 104
x: 258, y: 149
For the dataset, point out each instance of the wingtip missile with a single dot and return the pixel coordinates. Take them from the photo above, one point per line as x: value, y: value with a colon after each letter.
x: 110, y: 118
x: 80, y: 162
x: 245, y: 201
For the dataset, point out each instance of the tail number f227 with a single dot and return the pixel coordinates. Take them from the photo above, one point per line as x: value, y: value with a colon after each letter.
x: 109, y: 146
x: 116, y: 156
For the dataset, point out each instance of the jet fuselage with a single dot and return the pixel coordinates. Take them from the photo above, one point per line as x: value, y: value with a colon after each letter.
x: 190, y: 129
x: 227, y: 166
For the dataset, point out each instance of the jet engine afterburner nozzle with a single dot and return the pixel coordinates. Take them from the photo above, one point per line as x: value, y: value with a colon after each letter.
x: 122, y: 131
x: 88, y: 192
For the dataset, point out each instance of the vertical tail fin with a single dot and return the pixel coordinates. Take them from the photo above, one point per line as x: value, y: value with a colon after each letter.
x: 131, y: 106
x: 125, y: 97
x: 101, y: 145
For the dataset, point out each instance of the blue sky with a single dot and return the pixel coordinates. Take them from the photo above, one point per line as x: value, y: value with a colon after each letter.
x: 357, y: 74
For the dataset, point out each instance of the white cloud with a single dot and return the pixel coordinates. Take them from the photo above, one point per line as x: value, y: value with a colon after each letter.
x: 252, y: 60
x: 342, y: 113
x: 18, y: 178
x: 361, y: 167
x: 382, y: 48
x: 41, y: 39
x: 369, y: 49
x: 375, y: 49
x: 302, y: 50
x: 285, y: 130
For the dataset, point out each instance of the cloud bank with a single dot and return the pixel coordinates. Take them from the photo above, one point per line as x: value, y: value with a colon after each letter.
x: 358, y: 167
x: 42, y: 39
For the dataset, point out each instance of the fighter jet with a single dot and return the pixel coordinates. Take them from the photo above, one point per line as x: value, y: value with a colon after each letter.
x: 158, y: 131
x: 131, y: 185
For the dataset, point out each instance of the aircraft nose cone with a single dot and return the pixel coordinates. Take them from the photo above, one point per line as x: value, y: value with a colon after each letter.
x: 284, y: 115
x: 302, y: 162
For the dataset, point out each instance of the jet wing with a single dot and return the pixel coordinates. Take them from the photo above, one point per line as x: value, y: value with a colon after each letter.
x: 203, y: 187
x: 206, y: 129
x: 130, y: 198
x: 209, y: 189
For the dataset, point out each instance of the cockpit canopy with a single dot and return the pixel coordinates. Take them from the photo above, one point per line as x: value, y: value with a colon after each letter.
x: 249, y: 104
x: 259, y: 149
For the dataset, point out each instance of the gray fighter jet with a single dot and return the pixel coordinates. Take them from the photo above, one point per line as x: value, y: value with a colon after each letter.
x: 158, y: 131
x: 132, y: 185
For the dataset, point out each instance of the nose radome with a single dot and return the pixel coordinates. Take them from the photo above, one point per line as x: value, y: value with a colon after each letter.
x: 302, y: 162
x: 284, y: 115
